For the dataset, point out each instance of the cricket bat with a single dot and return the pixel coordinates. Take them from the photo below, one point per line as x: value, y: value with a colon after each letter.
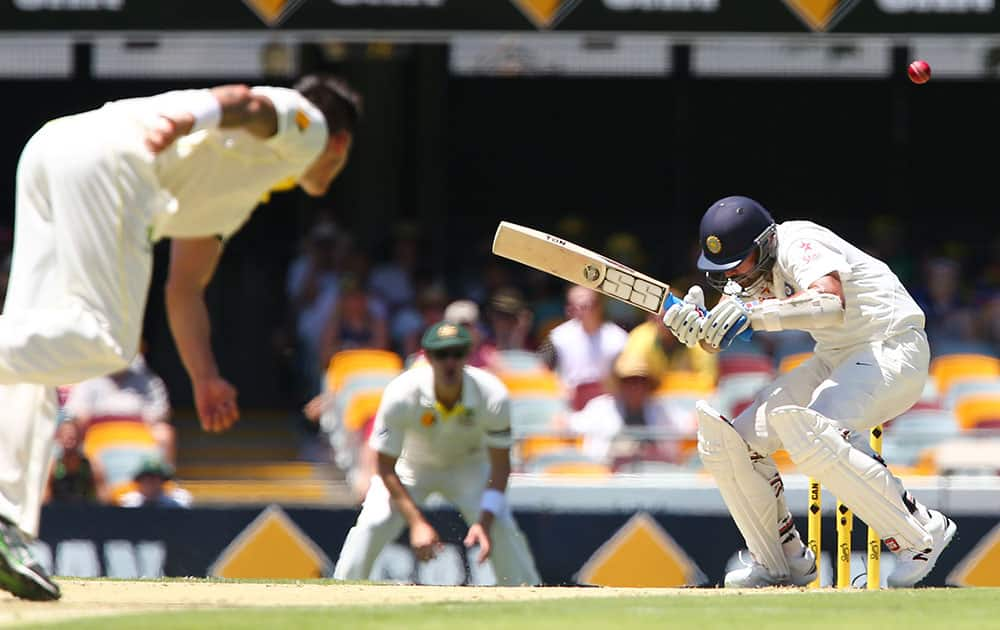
x: 579, y: 265
x: 584, y: 267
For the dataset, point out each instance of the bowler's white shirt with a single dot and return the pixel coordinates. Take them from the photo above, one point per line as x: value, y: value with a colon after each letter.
x: 216, y: 177
x: 412, y: 425
x: 877, y: 306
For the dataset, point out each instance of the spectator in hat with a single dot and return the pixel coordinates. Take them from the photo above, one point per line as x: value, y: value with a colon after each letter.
x: 154, y: 489
x: 465, y: 313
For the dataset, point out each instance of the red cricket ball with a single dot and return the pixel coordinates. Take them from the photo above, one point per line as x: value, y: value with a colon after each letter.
x: 919, y: 71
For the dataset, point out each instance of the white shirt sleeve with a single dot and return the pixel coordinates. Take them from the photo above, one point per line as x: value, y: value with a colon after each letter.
x: 496, y: 419
x: 807, y: 260
x: 302, y: 132
x: 390, y: 426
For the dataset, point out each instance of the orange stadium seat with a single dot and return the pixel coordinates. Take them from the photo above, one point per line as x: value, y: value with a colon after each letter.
x: 120, y: 447
x: 978, y: 411
x: 793, y: 361
x: 346, y: 362
x: 688, y: 381
x: 949, y: 369
x: 533, y: 446
x: 536, y: 382
x: 361, y: 407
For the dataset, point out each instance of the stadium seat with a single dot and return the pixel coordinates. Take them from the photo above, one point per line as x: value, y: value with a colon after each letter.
x: 978, y: 411
x: 910, y: 434
x: 964, y: 388
x: 536, y: 414
x: 689, y: 381
x: 539, y: 382
x: 533, y: 446
x: 120, y: 447
x: 519, y: 361
x: 348, y: 361
x: 949, y: 369
x: 738, y: 363
x: 792, y: 361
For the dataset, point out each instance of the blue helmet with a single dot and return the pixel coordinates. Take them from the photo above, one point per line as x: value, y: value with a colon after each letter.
x: 731, y: 230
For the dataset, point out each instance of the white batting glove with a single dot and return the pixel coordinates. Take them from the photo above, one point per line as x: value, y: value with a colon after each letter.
x: 725, y: 322
x: 685, y: 319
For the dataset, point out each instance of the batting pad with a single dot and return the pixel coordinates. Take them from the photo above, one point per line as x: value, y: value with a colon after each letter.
x: 819, y: 449
x: 749, y: 496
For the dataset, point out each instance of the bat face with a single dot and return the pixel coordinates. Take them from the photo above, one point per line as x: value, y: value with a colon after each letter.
x: 578, y: 265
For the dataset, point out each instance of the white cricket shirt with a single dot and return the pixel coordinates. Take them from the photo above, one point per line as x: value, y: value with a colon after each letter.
x: 216, y: 177
x: 413, y: 426
x: 877, y: 306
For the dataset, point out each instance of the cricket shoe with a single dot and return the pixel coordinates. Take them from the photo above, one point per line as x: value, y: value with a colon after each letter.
x: 20, y: 573
x: 913, y: 565
x: 756, y: 575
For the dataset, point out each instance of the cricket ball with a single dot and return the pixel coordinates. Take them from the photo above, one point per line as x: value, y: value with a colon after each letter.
x: 919, y: 71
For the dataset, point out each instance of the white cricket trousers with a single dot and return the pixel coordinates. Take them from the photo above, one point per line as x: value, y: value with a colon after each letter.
x: 379, y: 524
x: 79, y: 277
x: 857, y: 388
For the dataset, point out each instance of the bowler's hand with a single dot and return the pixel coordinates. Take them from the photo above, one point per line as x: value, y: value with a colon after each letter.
x: 166, y: 130
x: 215, y: 400
x: 685, y: 319
x: 725, y: 322
x: 424, y: 541
x: 478, y: 536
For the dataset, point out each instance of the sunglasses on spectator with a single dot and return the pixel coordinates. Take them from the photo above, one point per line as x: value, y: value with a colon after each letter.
x: 441, y: 355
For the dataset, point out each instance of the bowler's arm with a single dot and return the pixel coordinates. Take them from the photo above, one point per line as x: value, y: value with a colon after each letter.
x: 192, y: 264
x: 239, y: 108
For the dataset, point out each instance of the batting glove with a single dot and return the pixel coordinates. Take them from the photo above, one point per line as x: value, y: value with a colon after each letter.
x: 685, y: 319
x: 725, y: 322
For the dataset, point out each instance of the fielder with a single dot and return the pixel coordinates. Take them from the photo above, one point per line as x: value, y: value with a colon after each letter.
x: 869, y: 365
x: 94, y: 191
x: 444, y: 427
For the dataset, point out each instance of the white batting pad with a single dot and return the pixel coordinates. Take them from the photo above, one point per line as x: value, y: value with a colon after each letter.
x: 749, y: 496
x: 819, y: 449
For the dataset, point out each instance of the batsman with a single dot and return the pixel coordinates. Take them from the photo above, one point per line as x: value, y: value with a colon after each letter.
x: 869, y: 365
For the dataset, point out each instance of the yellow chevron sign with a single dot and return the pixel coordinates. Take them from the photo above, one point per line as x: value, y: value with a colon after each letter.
x: 981, y: 567
x: 640, y: 554
x: 272, y: 546
x: 545, y: 14
x: 821, y: 15
x: 273, y: 12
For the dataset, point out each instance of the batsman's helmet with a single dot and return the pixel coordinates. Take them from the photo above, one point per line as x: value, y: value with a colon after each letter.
x: 732, y: 228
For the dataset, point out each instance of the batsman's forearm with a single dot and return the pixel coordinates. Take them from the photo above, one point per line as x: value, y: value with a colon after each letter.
x: 190, y: 326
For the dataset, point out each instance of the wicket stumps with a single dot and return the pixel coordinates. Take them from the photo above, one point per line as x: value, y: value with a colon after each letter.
x: 845, y: 526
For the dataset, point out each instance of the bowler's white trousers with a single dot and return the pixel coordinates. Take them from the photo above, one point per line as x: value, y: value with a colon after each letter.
x: 379, y: 523
x: 86, y: 195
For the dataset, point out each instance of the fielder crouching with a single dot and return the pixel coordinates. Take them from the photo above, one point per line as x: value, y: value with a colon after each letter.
x: 869, y: 365
x: 441, y: 427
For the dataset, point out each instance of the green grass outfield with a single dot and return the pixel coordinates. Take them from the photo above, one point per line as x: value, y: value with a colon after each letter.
x: 700, y: 608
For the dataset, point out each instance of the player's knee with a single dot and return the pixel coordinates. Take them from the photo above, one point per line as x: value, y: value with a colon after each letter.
x: 810, y: 439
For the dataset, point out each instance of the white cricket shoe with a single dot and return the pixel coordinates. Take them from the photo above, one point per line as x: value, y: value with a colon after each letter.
x: 913, y: 565
x: 756, y: 575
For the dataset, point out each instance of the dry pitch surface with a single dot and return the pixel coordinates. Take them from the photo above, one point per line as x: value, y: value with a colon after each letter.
x: 88, y: 598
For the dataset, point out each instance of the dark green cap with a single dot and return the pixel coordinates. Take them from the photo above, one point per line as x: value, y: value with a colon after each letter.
x: 155, y: 467
x: 444, y: 335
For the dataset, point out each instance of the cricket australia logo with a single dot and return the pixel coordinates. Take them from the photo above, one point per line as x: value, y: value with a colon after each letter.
x: 545, y: 14
x: 273, y: 12
x: 820, y: 15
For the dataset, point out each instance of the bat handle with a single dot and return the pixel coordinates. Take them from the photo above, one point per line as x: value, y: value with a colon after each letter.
x: 746, y: 335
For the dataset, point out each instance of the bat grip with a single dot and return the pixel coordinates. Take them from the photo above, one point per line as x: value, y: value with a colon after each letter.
x: 746, y: 335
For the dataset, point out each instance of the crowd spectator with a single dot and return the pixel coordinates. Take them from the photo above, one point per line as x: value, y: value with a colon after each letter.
x: 510, y: 320
x: 153, y: 488
x: 465, y: 313
x: 72, y: 477
x: 135, y: 393
x: 950, y: 317
x: 582, y: 350
x: 661, y: 350
x: 394, y: 280
x: 411, y: 322
x: 313, y: 285
x: 356, y: 322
